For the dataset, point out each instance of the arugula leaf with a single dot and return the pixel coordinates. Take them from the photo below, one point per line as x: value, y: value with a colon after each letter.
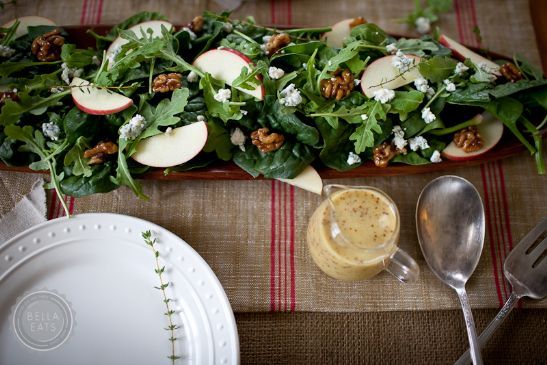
x: 75, y: 158
x: 36, y: 105
x: 363, y: 136
x: 249, y: 80
x: 437, y: 68
x: 297, y: 54
x: 224, y: 111
x: 9, y: 68
x: 218, y: 140
x: 123, y: 175
x: 286, y: 162
x: 164, y: 113
x: 34, y: 142
x: 134, y: 20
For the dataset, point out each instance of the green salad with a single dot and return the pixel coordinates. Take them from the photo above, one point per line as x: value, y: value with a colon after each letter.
x: 272, y: 101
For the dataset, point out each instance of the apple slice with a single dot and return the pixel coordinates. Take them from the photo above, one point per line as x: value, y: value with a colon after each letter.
x: 308, y: 180
x: 490, y: 129
x: 97, y: 101
x: 173, y: 148
x: 461, y: 52
x: 225, y: 64
x: 28, y: 21
x: 381, y: 74
x: 340, y: 31
x: 151, y: 25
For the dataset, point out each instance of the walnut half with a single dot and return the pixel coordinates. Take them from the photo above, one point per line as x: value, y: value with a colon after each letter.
x: 166, y: 82
x: 339, y: 86
x: 266, y: 141
x: 468, y: 139
x: 510, y: 72
x: 276, y: 42
x: 100, y: 152
x: 47, y: 47
x: 384, y: 153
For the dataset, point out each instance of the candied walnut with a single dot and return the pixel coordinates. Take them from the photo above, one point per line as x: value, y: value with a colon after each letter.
x: 384, y: 153
x: 47, y: 47
x: 468, y: 139
x: 339, y: 86
x: 100, y: 152
x: 166, y: 82
x: 357, y: 21
x: 510, y: 72
x: 5, y: 95
x: 266, y: 141
x: 196, y: 25
x: 276, y: 42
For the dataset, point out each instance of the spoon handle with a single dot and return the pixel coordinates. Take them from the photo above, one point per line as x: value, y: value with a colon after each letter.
x: 492, y: 326
x: 470, y: 324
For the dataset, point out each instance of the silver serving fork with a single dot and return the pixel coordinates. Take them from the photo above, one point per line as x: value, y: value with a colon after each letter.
x: 526, y: 270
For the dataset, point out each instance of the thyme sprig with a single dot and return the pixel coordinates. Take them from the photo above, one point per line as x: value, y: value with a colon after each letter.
x: 172, y: 327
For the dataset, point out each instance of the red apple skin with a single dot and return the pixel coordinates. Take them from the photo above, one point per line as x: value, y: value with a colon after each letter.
x: 101, y: 112
x: 244, y: 57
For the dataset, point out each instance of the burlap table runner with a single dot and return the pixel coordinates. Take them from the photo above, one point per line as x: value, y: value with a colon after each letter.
x: 252, y: 233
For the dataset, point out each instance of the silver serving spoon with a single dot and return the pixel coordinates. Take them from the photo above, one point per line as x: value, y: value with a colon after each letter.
x: 450, y: 227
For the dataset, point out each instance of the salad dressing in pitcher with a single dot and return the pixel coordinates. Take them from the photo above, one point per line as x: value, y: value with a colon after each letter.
x: 353, y: 234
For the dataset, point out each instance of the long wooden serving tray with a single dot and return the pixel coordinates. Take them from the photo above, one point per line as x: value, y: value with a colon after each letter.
x: 508, y: 146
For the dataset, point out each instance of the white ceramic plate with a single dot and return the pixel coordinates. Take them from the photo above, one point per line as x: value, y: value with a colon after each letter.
x: 81, y: 291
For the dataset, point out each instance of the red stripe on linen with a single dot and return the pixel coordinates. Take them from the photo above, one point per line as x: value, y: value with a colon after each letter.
x: 507, y: 218
x: 272, y: 247
x: 84, y: 10
x: 272, y: 11
x: 494, y: 204
x: 463, y: 10
x: 285, y: 225
x: 99, y: 12
x: 489, y: 231
x: 504, y: 219
x: 52, y: 203
x: 459, y: 19
x: 279, y: 239
x: 292, y: 230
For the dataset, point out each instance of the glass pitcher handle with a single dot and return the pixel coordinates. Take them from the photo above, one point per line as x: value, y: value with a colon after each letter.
x: 403, y: 267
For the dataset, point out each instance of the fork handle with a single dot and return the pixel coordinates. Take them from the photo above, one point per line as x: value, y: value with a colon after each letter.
x: 492, y: 327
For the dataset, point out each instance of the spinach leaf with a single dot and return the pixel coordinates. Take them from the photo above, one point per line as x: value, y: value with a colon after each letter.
x: 417, y: 47
x: 473, y: 94
x: 288, y: 123
x: 337, y: 146
x: 77, y: 123
x: 99, y: 181
x: 406, y: 102
x: 528, y: 68
x: 411, y: 158
x: 287, y: 162
x: 369, y: 32
x: 437, y: 68
x: 77, y: 58
x: 510, y: 88
x: 218, y: 140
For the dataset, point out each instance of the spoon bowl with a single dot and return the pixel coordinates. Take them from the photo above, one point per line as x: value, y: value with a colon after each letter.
x: 450, y: 228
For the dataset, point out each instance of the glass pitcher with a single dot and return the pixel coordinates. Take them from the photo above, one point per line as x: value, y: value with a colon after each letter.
x: 354, y: 235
